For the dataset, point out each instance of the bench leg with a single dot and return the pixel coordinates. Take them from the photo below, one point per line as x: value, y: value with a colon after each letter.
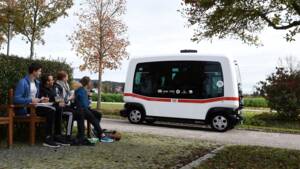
x: 32, y: 133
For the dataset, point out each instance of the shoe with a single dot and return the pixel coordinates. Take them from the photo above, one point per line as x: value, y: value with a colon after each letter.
x: 86, y: 142
x: 106, y: 139
x: 75, y: 142
x: 60, y: 140
x: 50, y: 143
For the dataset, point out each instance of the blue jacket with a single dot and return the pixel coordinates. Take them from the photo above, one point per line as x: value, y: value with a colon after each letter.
x: 82, y: 98
x: 22, y: 94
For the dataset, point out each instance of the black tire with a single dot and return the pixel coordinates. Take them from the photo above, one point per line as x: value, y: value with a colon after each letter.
x: 220, y: 122
x: 136, y: 116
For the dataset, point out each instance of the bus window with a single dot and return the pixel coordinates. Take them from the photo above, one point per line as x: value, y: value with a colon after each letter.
x: 179, y: 79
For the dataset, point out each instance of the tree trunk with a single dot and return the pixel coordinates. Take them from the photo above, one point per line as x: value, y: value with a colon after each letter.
x: 99, y: 85
x: 9, y: 34
x: 31, y: 49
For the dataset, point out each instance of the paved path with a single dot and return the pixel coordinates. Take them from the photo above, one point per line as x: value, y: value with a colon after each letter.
x: 242, y: 137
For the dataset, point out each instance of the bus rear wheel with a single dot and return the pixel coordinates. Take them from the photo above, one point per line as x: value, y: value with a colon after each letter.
x: 136, y: 116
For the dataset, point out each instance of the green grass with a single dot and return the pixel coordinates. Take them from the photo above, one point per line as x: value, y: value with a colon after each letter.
x: 253, y: 157
x: 255, y: 102
x: 133, y: 151
x: 269, y: 122
x: 110, y: 109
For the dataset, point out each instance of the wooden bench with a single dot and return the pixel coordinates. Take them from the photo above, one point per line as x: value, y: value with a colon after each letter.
x: 31, y: 119
x: 7, y: 120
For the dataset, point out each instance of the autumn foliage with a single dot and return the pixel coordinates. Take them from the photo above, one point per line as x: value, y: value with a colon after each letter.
x: 282, y: 90
x: 100, y: 39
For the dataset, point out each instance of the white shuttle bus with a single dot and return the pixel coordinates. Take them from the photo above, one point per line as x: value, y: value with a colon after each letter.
x: 186, y: 87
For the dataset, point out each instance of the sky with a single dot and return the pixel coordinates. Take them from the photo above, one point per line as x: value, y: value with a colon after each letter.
x: 155, y: 27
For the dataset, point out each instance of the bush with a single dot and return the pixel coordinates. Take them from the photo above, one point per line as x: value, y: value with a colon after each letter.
x: 14, y: 68
x: 282, y: 90
x: 108, y: 97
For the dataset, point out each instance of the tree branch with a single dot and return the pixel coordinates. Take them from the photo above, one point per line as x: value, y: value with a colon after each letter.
x: 296, y: 6
x: 281, y: 27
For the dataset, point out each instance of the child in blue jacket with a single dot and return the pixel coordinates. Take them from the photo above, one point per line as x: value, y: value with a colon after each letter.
x: 83, y: 104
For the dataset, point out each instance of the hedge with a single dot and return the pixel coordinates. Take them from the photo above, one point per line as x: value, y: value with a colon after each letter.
x: 255, y: 102
x: 108, y: 97
x: 13, y: 68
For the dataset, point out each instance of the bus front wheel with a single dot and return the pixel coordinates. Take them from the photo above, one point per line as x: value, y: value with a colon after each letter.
x: 220, y: 122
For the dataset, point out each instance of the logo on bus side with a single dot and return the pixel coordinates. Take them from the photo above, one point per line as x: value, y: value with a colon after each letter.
x: 174, y: 100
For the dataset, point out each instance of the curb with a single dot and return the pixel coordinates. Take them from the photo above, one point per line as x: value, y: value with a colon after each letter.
x: 199, y: 161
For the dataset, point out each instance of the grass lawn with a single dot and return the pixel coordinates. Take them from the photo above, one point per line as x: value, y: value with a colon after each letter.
x: 253, y: 157
x: 133, y: 151
x: 110, y: 109
x: 265, y: 121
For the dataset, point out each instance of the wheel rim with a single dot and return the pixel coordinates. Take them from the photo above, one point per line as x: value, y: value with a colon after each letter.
x: 220, y: 122
x: 135, y: 116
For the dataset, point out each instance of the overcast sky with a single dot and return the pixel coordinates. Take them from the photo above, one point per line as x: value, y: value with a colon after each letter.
x: 155, y: 27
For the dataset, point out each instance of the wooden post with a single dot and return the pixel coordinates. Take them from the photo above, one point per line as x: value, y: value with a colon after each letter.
x: 10, y: 129
x: 10, y: 96
x: 32, y: 126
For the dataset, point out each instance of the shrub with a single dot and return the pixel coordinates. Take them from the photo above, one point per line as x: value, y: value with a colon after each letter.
x: 14, y: 68
x: 108, y: 97
x: 282, y: 90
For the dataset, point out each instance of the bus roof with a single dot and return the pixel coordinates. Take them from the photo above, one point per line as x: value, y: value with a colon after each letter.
x: 182, y: 56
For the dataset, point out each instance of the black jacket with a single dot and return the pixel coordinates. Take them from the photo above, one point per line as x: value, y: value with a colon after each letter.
x: 51, y: 93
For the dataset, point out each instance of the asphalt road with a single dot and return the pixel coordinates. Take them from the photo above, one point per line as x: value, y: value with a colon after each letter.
x: 240, y: 137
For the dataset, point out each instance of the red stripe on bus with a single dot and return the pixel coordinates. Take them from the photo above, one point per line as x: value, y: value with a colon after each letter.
x: 182, y: 100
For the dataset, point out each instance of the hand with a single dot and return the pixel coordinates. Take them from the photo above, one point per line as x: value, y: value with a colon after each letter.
x: 72, y: 97
x: 44, y: 99
x: 35, y: 100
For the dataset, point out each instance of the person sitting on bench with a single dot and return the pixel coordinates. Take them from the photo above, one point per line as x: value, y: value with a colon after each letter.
x: 27, y: 92
x: 50, y: 90
x: 82, y: 103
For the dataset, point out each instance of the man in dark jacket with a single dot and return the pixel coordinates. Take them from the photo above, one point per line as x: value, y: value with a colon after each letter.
x: 51, y: 90
x: 27, y: 92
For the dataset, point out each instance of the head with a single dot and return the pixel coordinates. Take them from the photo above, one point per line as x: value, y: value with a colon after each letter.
x: 75, y: 85
x: 62, y: 76
x: 47, y: 80
x: 35, y: 70
x: 86, y: 82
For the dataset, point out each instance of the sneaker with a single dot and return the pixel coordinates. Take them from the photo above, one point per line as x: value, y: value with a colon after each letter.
x: 60, y: 140
x: 106, y: 139
x: 75, y: 142
x: 86, y: 142
x: 50, y: 143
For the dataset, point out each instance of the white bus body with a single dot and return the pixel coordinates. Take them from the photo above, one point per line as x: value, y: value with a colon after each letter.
x: 187, y: 87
